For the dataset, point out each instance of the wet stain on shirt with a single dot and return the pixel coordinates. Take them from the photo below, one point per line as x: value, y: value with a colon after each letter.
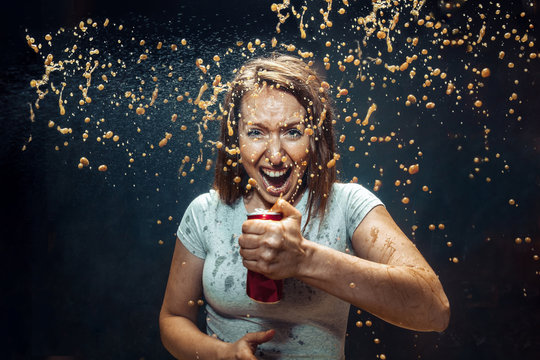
x: 229, y: 281
x: 219, y: 261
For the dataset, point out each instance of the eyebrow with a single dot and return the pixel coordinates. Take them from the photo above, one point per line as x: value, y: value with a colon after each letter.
x: 285, y: 125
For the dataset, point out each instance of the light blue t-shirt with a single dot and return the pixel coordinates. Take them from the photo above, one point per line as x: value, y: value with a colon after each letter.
x: 309, y: 322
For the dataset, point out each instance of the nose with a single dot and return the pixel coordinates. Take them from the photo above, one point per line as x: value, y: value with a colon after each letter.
x: 274, y: 151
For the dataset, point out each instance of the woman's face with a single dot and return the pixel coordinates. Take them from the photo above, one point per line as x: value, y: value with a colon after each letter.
x: 273, y: 144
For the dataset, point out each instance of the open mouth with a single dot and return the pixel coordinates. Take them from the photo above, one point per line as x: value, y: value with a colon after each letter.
x: 276, y: 181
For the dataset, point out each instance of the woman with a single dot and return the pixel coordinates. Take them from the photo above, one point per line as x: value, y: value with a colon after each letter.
x: 336, y: 244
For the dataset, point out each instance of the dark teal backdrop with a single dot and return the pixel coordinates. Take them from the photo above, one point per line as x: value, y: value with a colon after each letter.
x: 84, y: 268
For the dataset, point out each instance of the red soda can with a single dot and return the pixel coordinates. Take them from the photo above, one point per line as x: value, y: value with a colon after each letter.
x: 259, y: 287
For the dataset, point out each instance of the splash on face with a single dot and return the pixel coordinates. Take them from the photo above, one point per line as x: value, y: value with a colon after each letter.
x: 273, y: 144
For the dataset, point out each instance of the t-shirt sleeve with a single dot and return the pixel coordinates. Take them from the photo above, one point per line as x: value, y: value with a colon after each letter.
x: 190, y: 231
x: 359, y: 202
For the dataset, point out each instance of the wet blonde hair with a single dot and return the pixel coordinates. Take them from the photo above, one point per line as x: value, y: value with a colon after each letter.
x: 292, y: 75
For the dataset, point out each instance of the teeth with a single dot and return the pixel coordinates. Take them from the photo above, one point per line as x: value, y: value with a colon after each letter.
x: 274, y: 174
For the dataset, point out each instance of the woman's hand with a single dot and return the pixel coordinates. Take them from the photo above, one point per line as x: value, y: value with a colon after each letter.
x: 274, y: 248
x: 244, y: 349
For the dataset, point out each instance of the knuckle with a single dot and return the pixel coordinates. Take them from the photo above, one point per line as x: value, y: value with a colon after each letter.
x: 274, y: 242
x: 267, y: 256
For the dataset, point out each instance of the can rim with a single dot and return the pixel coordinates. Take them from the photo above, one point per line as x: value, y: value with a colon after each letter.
x: 264, y: 212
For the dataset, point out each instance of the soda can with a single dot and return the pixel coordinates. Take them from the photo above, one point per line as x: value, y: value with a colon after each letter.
x: 259, y: 287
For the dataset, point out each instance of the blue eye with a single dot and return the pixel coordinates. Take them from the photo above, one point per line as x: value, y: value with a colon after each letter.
x: 254, y: 133
x: 294, y: 133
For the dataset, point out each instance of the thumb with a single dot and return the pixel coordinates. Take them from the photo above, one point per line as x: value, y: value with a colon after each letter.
x: 286, y: 209
x: 257, y: 338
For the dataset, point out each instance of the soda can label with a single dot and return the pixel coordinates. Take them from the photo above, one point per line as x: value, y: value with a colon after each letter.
x: 259, y: 287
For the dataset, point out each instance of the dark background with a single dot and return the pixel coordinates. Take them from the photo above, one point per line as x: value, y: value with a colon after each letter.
x: 84, y: 272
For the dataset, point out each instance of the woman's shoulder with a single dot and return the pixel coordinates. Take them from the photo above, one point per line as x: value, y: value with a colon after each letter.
x: 353, y: 193
x: 206, y: 200
x: 210, y: 201
x: 346, y: 189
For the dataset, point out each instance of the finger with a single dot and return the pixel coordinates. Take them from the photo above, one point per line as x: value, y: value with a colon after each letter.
x: 260, y: 267
x: 250, y: 265
x: 259, y: 254
x: 249, y: 241
x: 286, y: 209
x: 257, y: 227
x: 249, y: 254
x: 259, y: 337
x: 253, y: 265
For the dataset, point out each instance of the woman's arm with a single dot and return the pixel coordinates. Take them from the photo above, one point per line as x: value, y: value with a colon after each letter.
x: 389, y: 278
x: 178, y: 315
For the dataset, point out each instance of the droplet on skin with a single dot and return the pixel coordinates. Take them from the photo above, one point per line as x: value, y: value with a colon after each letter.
x: 191, y: 303
x: 352, y: 285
